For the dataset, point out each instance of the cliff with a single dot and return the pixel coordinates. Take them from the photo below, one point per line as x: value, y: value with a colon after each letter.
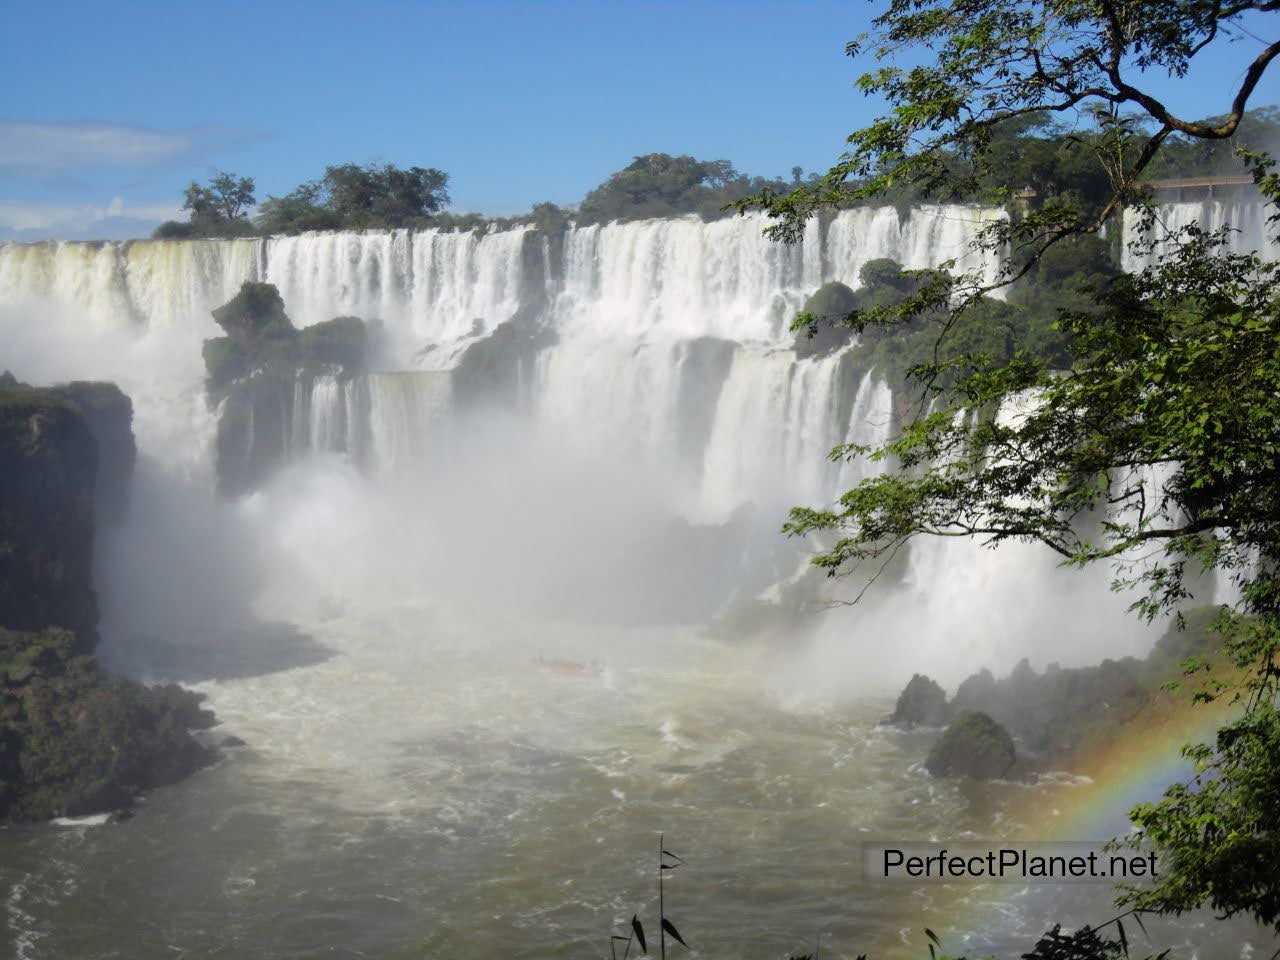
x: 1062, y: 716
x: 73, y: 739
x: 254, y: 372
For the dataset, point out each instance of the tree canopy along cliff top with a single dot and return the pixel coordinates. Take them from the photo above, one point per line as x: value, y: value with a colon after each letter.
x: 1153, y: 444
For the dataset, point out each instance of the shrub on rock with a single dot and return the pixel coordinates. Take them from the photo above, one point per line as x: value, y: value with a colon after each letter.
x: 973, y: 746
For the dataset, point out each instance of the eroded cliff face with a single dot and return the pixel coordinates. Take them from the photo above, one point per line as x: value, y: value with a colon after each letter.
x: 260, y: 372
x: 73, y: 739
x: 48, y: 468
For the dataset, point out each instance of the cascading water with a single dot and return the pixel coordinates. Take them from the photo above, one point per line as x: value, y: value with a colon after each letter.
x: 374, y: 621
x: 1247, y: 219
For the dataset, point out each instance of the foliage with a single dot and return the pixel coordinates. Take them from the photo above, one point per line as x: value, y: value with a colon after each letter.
x: 351, y: 196
x: 74, y: 740
x: 218, y: 209
x: 1151, y: 441
x: 990, y: 330
x: 224, y: 200
x: 667, y: 861
x: 1222, y: 830
x: 1188, y: 156
x: 383, y: 195
x: 296, y: 212
x: 1056, y: 160
x: 974, y: 746
x: 817, y: 328
x: 660, y: 185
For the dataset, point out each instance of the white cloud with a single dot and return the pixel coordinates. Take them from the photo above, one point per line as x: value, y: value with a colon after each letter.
x: 115, y: 220
x: 43, y: 148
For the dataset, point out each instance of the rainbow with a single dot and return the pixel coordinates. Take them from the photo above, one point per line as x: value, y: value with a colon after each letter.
x: 1137, y: 763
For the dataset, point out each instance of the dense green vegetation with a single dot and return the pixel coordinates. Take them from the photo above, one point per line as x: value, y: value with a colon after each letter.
x: 1028, y: 160
x: 383, y: 196
x: 1171, y: 373
x: 76, y: 740
x: 974, y: 747
x: 219, y: 209
x: 353, y: 197
x: 660, y: 185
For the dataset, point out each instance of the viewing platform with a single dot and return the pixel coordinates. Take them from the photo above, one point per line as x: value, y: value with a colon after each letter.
x: 1204, y: 188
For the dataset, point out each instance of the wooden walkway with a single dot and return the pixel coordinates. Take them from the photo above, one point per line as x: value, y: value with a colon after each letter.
x: 1191, y: 188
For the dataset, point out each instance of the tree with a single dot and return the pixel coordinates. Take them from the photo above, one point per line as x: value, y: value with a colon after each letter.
x: 354, y: 197
x: 224, y: 201
x: 298, y: 211
x: 1156, y: 446
x: 218, y: 209
x: 383, y: 195
x: 660, y: 185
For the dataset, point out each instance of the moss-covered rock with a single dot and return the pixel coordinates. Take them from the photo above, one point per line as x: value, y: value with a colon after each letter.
x: 491, y: 370
x: 828, y: 305
x: 341, y: 342
x: 254, y: 316
x: 973, y: 746
x: 75, y: 740
x: 224, y: 362
x: 922, y: 702
x: 256, y: 372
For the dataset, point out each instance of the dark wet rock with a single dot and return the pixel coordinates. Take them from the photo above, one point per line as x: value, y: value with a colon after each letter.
x: 48, y: 466
x: 922, y: 703
x: 257, y: 371
x: 231, y: 742
x: 1062, y: 710
x: 108, y: 412
x: 829, y: 305
x: 254, y: 318
x: 492, y: 369
x: 66, y: 462
x: 974, y: 746
x: 74, y: 740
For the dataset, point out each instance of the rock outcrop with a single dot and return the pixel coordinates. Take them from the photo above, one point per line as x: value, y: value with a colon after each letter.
x: 974, y: 746
x: 48, y: 470
x: 830, y: 304
x: 922, y: 703
x: 1058, y: 715
x: 256, y: 370
x: 73, y: 739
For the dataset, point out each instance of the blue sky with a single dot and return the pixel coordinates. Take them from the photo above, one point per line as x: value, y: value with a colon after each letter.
x: 109, y: 109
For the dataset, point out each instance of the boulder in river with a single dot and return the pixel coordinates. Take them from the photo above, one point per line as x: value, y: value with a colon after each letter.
x: 975, y: 747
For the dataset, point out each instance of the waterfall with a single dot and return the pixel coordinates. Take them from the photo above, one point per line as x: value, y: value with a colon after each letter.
x: 656, y: 354
x: 404, y: 419
x: 672, y: 336
x: 432, y: 285
x: 669, y: 339
x: 1246, y: 218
